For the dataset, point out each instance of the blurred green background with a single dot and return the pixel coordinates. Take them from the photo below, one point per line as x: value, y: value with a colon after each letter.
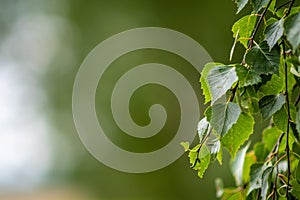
x: 42, y: 44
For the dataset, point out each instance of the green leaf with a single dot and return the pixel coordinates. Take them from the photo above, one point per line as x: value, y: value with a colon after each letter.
x: 292, y: 30
x: 260, y: 151
x: 265, y: 182
x: 220, y: 154
x: 263, y: 61
x: 238, y: 134
x: 270, y: 105
x: 203, y: 80
x: 194, y: 155
x: 274, y: 32
x: 237, y: 196
x: 240, y: 4
x: 274, y: 86
x: 220, y: 79
x: 295, y: 188
x: 246, y: 76
x: 215, y: 150
x: 270, y: 137
x: 280, y: 119
x: 259, y: 4
x: 204, y: 161
x: 243, y: 29
x: 298, y: 173
x: 295, y: 71
x: 256, y: 172
x: 200, y: 160
x: 203, y: 128
x: 223, y: 116
x: 237, y: 165
x: 186, y: 145
x: 298, y: 119
x: 249, y: 160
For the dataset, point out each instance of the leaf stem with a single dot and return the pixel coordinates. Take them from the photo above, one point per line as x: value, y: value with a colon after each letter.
x: 258, y: 24
x: 287, y: 148
x: 290, y: 8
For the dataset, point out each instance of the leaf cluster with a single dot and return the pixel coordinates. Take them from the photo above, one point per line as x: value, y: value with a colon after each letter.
x: 264, y: 85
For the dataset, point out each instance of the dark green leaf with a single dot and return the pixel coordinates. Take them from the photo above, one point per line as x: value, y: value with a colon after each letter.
x: 298, y: 119
x: 223, y: 116
x: 243, y: 29
x: 246, y: 76
x: 298, y: 173
x: 259, y: 4
x: 203, y: 80
x: 240, y: 4
x: 238, y: 134
x: 292, y: 30
x: 265, y: 182
x: 220, y: 79
x: 271, y: 104
x: 263, y: 61
x: 203, y: 128
x: 237, y: 165
x: 273, y: 33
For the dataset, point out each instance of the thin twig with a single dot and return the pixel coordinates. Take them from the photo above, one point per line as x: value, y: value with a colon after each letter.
x: 258, y: 24
x: 290, y: 8
x: 287, y: 148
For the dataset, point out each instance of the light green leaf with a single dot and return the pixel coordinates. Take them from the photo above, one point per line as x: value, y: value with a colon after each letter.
x: 249, y: 160
x: 220, y: 154
x: 263, y: 61
x: 215, y: 150
x: 203, y: 128
x: 243, y: 29
x: 295, y: 188
x: 292, y: 30
x: 273, y: 33
x: 237, y: 165
x: 295, y: 71
x: 186, y: 145
x: 203, y: 80
x: 246, y: 76
x: 270, y: 137
x: 270, y: 105
x: 259, y: 4
x: 238, y: 134
x: 223, y: 116
x: 237, y: 196
x: 265, y: 182
x: 204, y: 161
x: 260, y: 151
x: 220, y: 79
x: 240, y: 4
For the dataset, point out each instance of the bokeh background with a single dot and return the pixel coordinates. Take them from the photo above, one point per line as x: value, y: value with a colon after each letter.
x: 42, y: 44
